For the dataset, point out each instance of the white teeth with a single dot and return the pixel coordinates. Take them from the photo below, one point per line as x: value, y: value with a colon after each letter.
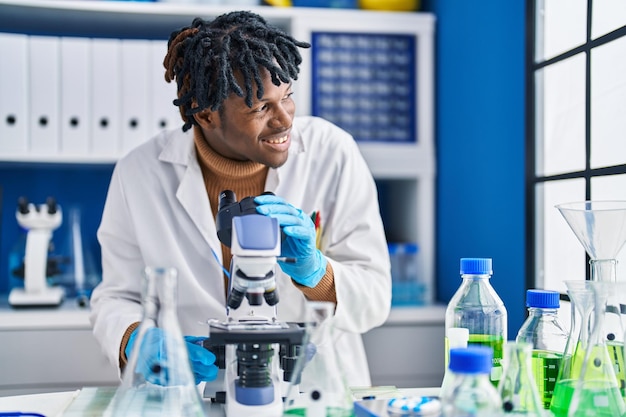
x: 279, y: 140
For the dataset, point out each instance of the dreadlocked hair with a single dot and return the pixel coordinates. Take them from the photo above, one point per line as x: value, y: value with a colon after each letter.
x: 204, y: 57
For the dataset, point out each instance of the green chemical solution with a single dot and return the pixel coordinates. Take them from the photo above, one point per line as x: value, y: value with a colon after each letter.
x: 545, y: 369
x: 616, y: 353
x: 598, y: 399
x: 497, y: 344
x: 330, y: 412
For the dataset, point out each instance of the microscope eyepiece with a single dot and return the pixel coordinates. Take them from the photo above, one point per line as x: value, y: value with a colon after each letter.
x: 227, y: 198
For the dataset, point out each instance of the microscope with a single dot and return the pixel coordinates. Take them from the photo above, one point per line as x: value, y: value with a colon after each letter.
x: 39, y: 221
x: 255, y: 350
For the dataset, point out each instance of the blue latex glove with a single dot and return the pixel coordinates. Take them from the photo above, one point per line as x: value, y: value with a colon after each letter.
x: 310, y: 265
x: 202, y: 360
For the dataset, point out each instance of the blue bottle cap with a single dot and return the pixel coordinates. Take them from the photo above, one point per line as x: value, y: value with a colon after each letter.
x: 476, y: 266
x: 471, y: 360
x: 542, y: 299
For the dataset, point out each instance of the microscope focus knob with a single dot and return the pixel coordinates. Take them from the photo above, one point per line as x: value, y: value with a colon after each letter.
x: 52, y: 205
x: 22, y: 205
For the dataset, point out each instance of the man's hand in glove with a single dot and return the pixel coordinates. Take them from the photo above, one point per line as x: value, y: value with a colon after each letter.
x: 152, y: 361
x: 310, y: 265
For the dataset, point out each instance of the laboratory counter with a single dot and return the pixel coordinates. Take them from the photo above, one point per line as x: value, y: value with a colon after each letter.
x: 92, y: 401
x: 64, y: 355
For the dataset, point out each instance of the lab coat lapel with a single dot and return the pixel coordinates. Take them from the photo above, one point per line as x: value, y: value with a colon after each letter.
x: 191, y: 192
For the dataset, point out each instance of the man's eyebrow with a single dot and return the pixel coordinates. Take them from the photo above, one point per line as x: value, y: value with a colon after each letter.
x: 266, y: 99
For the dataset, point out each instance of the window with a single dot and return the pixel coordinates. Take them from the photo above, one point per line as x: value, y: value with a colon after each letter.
x: 576, y: 103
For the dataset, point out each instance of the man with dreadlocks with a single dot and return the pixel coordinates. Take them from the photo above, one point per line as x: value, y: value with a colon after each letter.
x: 234, y: 77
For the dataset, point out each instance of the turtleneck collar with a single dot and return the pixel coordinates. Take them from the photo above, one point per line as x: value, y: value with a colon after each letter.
x: 216, y: 164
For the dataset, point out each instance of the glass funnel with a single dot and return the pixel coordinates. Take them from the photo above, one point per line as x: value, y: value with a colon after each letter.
x: 600, y: 226
x: 158, y: 381
x: 318, y: 386
x: 597, y: 393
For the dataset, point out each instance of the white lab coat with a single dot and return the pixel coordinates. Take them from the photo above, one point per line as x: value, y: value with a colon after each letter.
x: 157, y: 214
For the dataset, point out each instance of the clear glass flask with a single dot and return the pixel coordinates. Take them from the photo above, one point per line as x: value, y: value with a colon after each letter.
x: 157, y: 380
x: 582, y: 299
x: 548, y: 338
x: 318, y: 386
x: 477, y: 307
x: 517, y: 388
x: 597, y: 391
x: 471, y: 393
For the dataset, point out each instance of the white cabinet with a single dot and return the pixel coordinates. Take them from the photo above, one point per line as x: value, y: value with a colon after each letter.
x: 408, y: 350
x: 405, y: 168
x: 44, y: 350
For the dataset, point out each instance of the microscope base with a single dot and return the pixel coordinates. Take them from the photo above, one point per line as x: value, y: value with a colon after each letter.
x: 49, y: 297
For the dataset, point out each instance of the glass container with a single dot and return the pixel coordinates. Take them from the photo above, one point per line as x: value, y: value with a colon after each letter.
x: 158, y: 380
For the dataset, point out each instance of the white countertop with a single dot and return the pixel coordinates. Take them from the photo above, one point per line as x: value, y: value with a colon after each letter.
x: 55, y: 404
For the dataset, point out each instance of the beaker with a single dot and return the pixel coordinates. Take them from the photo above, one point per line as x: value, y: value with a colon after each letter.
x: 597, y: 393
x: 318, y: 386
x: 582, y: 300
x: 157, y: 380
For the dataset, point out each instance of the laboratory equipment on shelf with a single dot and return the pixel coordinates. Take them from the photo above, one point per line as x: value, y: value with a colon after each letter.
x: 81, y: 274
x: 547, y: 337
x: 477, y: 307
x: 471, y: 393
x: 256, y: 351
x: 517, y: 388
x: 39, y: 221
x: 318, y: 386
x: 157, y: 380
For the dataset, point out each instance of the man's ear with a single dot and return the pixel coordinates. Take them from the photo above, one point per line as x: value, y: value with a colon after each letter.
x: 207, y: 119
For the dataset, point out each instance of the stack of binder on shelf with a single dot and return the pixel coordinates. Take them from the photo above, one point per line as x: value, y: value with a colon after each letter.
x: 73, y: 99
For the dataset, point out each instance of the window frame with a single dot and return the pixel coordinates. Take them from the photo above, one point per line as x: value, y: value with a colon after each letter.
x: 534, y: 215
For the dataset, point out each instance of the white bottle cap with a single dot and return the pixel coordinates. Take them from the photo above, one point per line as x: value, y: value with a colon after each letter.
x: 457, y: 337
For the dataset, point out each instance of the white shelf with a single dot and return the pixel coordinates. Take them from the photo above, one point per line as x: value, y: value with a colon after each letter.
x: 67, y: 316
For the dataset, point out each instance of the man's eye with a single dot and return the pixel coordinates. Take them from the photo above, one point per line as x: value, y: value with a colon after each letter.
x: 288, y: 95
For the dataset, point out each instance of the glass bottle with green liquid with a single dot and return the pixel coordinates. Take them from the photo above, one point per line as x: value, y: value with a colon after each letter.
x: 477, y: 307
x: 548, y: 338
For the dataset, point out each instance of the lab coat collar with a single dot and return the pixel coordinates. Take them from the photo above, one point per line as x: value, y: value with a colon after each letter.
x: 179, y: 149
